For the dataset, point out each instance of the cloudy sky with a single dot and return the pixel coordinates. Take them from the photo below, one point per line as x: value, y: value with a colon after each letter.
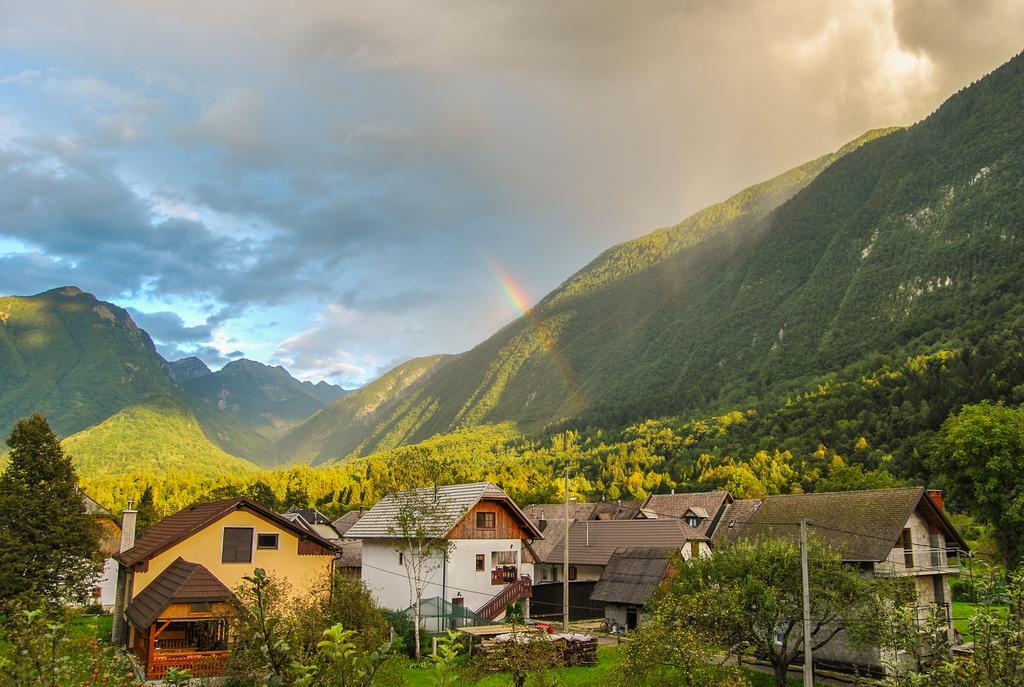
x: 326, y: 185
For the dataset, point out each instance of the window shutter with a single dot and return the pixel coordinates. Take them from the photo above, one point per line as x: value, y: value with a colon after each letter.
x: 237, y: 545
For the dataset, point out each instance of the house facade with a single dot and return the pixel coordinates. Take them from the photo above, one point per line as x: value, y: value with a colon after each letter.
x: 489, y: 561
x: 104, y: 591
x: 175, y: 581
x: 883, y: 532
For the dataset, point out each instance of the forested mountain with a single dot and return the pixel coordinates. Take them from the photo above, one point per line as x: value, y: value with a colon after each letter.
x: 530, y: 372
x: 74, y: 358
x: 348, y: 425
x: 908, y: 241
x: 84, y: 364
x: 266, y: 398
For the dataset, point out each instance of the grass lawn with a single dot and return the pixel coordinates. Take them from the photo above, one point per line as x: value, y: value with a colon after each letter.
x: 963, y: 611
x: 603, y: 674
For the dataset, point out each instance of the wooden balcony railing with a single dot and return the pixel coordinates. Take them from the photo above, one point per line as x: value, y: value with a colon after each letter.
x: 198, y: 663
x: 506, y: 574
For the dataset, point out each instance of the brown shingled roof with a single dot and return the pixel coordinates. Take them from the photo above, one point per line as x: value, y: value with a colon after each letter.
x: 186, y: 522
x: 733, y: 518
x: 863, y: 526
x: 180, y: 582
x: 632, y: 575
x: 676, y: 506
x: 595, y: 541
x: 599, y: 510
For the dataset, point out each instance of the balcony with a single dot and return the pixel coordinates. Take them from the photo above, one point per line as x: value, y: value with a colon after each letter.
x: 504, y: 574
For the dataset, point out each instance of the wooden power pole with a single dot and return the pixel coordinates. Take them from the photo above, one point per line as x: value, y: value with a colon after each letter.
x: 565, y: 560
x: 805, y: 583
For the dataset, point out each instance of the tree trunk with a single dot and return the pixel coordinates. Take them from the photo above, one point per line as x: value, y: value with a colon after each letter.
x: 781, y: 673
x: 416, y: 627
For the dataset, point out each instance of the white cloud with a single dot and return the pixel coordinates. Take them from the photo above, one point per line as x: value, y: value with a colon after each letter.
x: 24, y: 76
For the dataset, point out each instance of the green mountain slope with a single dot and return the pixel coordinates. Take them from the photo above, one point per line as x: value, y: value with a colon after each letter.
x: 80, y: 361
x: 347, y: 425
x: 73, y: 358
x: 907, y: 242
x: 158, y: 433
x: 265, y: 398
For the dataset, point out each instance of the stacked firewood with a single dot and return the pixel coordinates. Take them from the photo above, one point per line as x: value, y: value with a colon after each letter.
x: 577, y: 649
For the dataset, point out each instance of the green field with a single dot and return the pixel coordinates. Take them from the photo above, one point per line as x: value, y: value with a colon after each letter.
x: 601, y: 674
x: 963, y: 611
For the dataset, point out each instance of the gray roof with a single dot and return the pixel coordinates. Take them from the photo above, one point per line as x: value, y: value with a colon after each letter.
x: 734, y: 517
x: 345, y: 522
x: 595, y: 541
x: 554, y: 532
x: 632, y: 575
x: 863, y: 526
x: 452, y: 502
x: 676, y: 506
x: 599, y: 510
x: 351, y: 555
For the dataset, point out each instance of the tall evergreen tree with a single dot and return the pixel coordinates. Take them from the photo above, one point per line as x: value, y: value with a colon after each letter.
x: 147, y: 509
x: 49, y: 546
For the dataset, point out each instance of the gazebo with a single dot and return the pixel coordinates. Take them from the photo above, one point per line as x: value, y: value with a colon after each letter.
x: 181, y: 621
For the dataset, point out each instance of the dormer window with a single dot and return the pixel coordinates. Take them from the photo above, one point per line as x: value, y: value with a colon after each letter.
x: 692, y: 520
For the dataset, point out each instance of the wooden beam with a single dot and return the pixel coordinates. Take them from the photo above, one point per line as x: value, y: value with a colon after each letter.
x: 162, y: 628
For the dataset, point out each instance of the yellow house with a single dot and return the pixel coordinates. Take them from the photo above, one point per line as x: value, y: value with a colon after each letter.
x: 174, y: 583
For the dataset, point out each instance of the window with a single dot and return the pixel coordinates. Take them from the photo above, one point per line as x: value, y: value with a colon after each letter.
x: 480, y: 562
x: 503, y: 557
x: 907, y: 544
x: 695, y: 549
x: 267, y: 540
x: 572, y: 572
x: 401, y: 558
x: 200, y: 608
x: 485, y: 520
x: 691, y: 520
x: 237, y: 545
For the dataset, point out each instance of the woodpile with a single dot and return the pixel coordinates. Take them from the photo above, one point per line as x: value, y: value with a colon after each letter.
x: 577, y: 649
x: 572, y: 649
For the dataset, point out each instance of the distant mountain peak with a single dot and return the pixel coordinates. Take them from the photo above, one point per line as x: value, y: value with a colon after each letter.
x: 187, y: 368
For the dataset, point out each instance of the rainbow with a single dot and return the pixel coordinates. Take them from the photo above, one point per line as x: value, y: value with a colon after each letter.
x: 520, y: 299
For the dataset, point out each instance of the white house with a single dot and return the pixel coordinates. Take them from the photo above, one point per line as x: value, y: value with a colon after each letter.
x: 105, y: 587
x: 490, y: 559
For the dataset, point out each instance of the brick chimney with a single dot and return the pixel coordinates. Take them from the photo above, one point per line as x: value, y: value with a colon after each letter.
x: 128, y: 520
x: 936, y: 496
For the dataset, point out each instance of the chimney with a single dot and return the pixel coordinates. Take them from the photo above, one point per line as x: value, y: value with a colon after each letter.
x: 936, y: 496
x: 128, y: 518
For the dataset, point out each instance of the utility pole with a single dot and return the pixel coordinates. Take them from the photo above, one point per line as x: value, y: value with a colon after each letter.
x: 565, y: 560
x: 806, y: 584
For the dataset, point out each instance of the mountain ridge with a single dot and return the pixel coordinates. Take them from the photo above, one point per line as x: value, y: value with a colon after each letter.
x: 895, y: 244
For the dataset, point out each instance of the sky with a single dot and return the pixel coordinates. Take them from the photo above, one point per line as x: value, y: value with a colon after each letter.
x: 331, y: 185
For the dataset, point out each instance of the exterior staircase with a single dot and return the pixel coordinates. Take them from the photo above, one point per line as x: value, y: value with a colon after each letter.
x: 522, y: 588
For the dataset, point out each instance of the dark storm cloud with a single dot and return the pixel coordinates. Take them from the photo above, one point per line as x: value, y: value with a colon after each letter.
x: 168, y: 327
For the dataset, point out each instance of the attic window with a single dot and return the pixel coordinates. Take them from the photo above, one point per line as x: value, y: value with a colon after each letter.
x: 692, y: 520
x: 267, y: 540
x: 200, y: 608
x: 485, y: 520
